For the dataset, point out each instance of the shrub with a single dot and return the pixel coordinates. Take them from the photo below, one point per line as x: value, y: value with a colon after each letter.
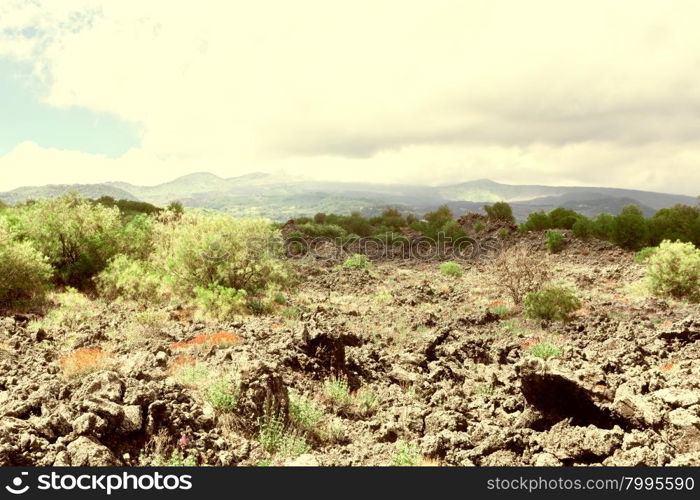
x: 304, y: 413
x: 77, y: 236
x: 222, y: 394
x: 128, y: 279
x: 545, y: 350
x: 74, y: 310
x: 407, y: 455
x: 503, y: 233
x: 24, y: 272
x: 276, y: 439
x: 217, y: 302
x: 517, y: 272
x: 551, y: 303
x: 479, y: 226
x: 217, y: 252
x: 537, y: 221
x: 644, y: 254
x: 337, y: 392
x: 674, y: 269
x: 555, y: 241
x: 629, y: 229
x: 358, y: 261
x: 583, y: 228
x: 678, y: 223
x: 325, y: 230
x: 562, y: 218
x: 500, y: 211
x: 451, y: 269
x: 603, y: 226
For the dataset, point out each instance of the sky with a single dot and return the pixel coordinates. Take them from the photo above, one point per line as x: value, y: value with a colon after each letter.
x: 427, y: 92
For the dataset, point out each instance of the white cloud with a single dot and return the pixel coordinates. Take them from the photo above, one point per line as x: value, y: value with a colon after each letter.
x: 542, y: 92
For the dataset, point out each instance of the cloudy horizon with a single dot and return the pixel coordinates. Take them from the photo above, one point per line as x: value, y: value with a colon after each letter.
x: 544, y: 92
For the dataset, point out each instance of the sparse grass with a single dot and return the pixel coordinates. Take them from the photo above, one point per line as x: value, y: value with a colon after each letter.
x: 383, y: 296
x: 499, y: 310
x: 159, y: 452
x: 407, y: 455
x: 484, y: 390
x: 337, y: 392
x: 74, y: 311
x: 545, y: 350
x: 358, y: 261
x: 304, y: 413
x: 451, y: 269
x: 367, y: 401
x: 334, y: 431
x: 222, y: 394
x: 279, y: 441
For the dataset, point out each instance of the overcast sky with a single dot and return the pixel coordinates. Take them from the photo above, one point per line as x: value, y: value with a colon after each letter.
x: 549, y: 92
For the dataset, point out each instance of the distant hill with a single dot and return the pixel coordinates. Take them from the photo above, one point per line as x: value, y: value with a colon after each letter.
x: 281, y: 198
x: 55, y: 190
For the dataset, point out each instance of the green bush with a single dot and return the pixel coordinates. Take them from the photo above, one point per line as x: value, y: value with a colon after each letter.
x: 545, y: 350
x: 674, y: 269
x: 407, y: 455
x: 319, y: 230
x: 76, y: 235
x: 551, y: 302
x: 24, y: 272
x: 629, y: 229
x: 500, y: 211
x: 555, y: 241
x: 220, y: 303
x: 129, y: 279
x: 222, y: 394
x: 451, y: 269
x: 358, y: 261
x: 203, y: 251
x: 537, y: 221
x: 583, y: 228
x: 562, y: 218
x: 643, y: 255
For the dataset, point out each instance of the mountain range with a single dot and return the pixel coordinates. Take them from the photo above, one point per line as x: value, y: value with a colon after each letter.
x: 280, y: 197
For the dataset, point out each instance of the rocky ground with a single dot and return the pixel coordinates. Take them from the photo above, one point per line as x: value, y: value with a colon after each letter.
x: 393, y: 365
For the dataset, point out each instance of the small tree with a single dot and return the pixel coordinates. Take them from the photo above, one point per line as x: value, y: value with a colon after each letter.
x: 629, y: 229
x: 24, y: 272
x: 500, y: 211
x: 517, y: 271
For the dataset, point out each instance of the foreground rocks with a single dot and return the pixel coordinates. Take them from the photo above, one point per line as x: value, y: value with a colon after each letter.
x: 456, y: 385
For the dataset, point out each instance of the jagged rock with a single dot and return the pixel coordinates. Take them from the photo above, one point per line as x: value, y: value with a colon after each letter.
x: 87, y: 451
x: 89, y: 424
x: 133, y: 419
x: 584, y: 444
x: 306, y: 460
x: 545, y: 460
x: 105, y: 385
x: 635, y: 408
x: 676, y: 397
x: 263, y: 394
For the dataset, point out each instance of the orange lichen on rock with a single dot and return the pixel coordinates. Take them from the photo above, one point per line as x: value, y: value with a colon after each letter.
x: 219, y: 338
x: 83, y: 360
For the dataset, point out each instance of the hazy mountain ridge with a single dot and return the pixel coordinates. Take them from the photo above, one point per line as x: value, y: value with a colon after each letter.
x: 280, y: 197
